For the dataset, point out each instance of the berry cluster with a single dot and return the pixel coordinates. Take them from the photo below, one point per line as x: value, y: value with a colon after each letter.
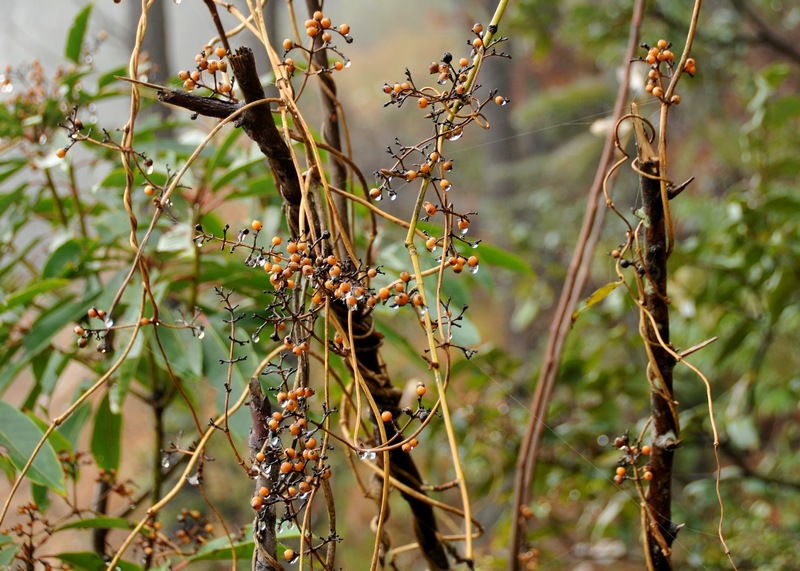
x: 293, y: 458
x: 631, y: 455
x: 221, y: 82
x: 656, y: 56
x: 319, y: 26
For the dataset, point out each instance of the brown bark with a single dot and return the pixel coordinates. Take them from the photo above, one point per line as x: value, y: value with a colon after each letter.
x: 260, y: 126
x: 660, y: 529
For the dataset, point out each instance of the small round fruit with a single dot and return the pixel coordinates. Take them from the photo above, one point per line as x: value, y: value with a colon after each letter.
x: 61, y: 153
x: 647, y: 475
x: 423, y: 102
x: 256, y: 225
x: 621, y: 471
x: 646, y: 450
x: 256, y: 502
x: 386, y: 416
x: 79, y: 330
x: 344, y: 29
x: 288, y: 44
x: 220, y: 52
x: 289, y: 554
x: 421, y: 390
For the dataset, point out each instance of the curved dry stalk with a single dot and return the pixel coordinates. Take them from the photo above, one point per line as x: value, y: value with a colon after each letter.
x: 193, y: 459
x: 79, y: 401
x: 562, y: 320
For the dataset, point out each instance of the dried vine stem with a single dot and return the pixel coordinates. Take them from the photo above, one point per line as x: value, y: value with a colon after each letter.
x: 562, y: 320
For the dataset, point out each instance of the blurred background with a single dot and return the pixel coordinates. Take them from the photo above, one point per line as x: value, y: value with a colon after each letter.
x: 734, y: 271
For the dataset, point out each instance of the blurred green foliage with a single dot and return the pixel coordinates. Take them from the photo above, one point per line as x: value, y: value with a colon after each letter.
x: 735, y: 270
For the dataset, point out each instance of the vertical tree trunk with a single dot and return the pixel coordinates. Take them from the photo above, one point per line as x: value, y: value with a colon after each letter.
x: 660, y: 530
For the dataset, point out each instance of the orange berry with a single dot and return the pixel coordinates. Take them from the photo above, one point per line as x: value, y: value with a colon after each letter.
x: 183, y: 75
x: 289, y: 555
x: 386, y: 416
x: 79, y: 330
x: 263, y: 491
x: 648, y: 475
x: 422, y: 103
x: 477, y: 43
x: 318, y: 15
x: 421, y: 390
x: 658, y: 91
x: 311, y: 443
x: 338, y: 66
x: 463, y: 62
x: 256, y: 224
x: 621, y: 471
x: 61, y: 153
x: 344, y: 29
x: 325, y: 23
x: 445, y: 184
x: 288, y: 44
x: 260, y: 457
x: 646, y: 450
x: 220, y: 52
x: 144, y: 321
x: 477, y: 28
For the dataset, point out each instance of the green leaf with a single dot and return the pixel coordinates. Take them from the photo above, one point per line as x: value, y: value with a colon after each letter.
x: 7, y: 554
x: 99, y: 523
x: 39, y: 495
x: 90, y: 561
x: 71, y: 428
x: 597, y: 296
x: 20, y: 435
x: 36, y: 288
x: 76, y: 34
x: 501, y: 258
x: 220, y: 549
x: 66, y: 258
x: 106, y: 436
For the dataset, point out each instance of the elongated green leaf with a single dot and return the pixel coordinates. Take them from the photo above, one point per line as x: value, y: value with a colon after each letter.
x: 597, y: 296
x: 89, y: 561
x: 26, y: 294
x: 99, y: 523
x: 498, y: 257
x: 72, y: 427
x: 20, y: 435
x: 66, y: 258
x: 106, y: 436
x: 76, y: 35
x: 220, y: 549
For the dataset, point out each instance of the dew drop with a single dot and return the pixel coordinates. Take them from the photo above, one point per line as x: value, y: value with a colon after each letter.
x: 150, y: 169
x: 202, y: 334
x: 256, y: 338
x: 422, y: 311
x: 347, y: 62
x: 456, y: 135
x: 177, y: 1
x: 109, y: 323
x: 42, y: 139
x: 392, y: 195
x: 199, y: 243
x: 378, y: 197
x: 348, y: 38
x: 464, y: 230
x: 474, y: 269
x: 165, y: 461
